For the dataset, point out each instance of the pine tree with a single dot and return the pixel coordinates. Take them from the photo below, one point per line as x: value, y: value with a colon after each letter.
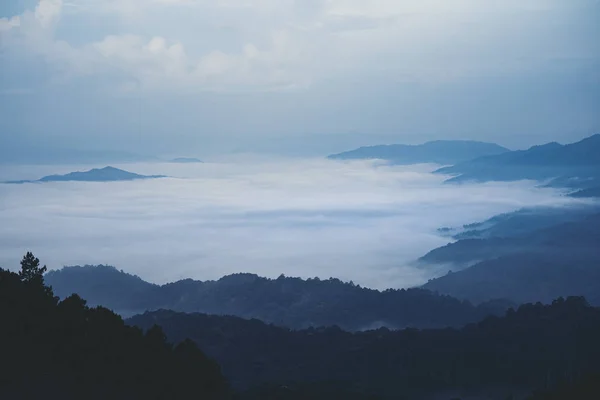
x: 30, y: 269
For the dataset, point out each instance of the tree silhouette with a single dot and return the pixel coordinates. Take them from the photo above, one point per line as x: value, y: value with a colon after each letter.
x: 30, y: 269
x: 67, y: 350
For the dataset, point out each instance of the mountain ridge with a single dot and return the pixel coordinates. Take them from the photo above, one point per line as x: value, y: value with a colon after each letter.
x: 438, y: 152
x: 186, y: 160
x: 559, y: 260
x: 290, y: 302
x: 572, y: 165
x: 106, y: 174
x: 572, y: 236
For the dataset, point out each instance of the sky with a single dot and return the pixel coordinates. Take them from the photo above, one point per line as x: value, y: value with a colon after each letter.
x: 294, y: 77
x: 361, y: 221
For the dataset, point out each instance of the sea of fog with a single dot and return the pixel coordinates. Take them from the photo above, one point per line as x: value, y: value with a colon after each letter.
x: 361, y: 221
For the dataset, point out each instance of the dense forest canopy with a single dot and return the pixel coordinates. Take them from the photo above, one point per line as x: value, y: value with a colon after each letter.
x: 533, y: 347
x: 64, y: 350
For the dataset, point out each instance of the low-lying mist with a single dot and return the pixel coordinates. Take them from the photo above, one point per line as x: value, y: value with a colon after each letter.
x: 360, y: 221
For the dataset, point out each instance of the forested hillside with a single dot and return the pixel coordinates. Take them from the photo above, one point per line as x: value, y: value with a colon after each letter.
x: 290, y: 302
x: 561, y: 260
x: 533, y: 347
x: 64, y: 350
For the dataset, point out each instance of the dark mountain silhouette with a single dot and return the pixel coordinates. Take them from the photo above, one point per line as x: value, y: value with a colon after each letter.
x: 561, y: 260
x: 524, y: 277
x: 106, y: 286
x: 521, y: 222
x: 536, y: 347
x: 574, y: 165
x: 577, y: 238
x: 590, y: 192
x: 67, y: 351
x: 438, y: 152
x: 186, y: 160
x: 106, y: 174
x: 290, y: 302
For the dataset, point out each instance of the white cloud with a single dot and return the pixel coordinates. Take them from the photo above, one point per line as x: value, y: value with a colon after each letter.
x: 48, y: 11
x: 266, y: 44
x: 355, y: 221
x: 157, y: 62
x: 7, y: 24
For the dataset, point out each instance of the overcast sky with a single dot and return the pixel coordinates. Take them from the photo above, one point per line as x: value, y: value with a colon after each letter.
x: 306, y: 77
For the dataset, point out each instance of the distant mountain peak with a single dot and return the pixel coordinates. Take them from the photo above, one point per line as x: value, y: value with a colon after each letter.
x: 551, y: 145
x: 540, y: 150
x: 186, y: 160
x: 438, y: 152
x: 550, y: 161
x: 594, y: 139
x: 106, y: 174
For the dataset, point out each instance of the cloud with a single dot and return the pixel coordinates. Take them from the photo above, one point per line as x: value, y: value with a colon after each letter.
x: 156, y: 62
x: 296, y: 76
x: 160, y: 64
x: 7, y: 24
x: 357, y: 221
x: 44, y: 16
x: 264, y: 45
x: 47, y: 12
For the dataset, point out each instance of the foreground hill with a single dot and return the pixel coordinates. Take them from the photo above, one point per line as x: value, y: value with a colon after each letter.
x: 106, y: 174
x: 535, y: 347
x: 67, y: 351
x: 290, y: 302
x: 574, y: 165
x: 437, y: 152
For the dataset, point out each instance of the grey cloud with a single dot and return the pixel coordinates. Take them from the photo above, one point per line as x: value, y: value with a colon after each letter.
x: 294, y: 77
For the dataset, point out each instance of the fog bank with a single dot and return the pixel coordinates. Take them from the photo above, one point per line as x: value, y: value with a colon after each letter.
x: 360, y: 221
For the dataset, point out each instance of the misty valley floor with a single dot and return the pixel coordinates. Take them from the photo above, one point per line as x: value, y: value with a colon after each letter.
x: 359, y: 221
